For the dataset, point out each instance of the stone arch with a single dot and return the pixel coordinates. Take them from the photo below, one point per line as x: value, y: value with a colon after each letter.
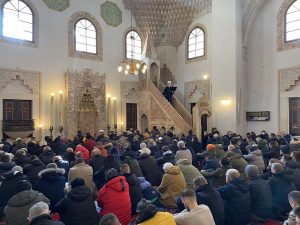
x: 154, y: 73
x: 144, y: 122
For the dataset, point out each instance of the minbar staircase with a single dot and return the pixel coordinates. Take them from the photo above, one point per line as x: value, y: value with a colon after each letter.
x: 177, y: 112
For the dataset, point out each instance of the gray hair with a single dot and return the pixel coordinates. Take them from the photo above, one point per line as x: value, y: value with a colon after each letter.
x: 167, y: 166
x: 231, y: 148
x: 46, y: 149
x: 232, y: 174
x: 143, y: 145
x: 277, y: 167
x: 38, y: 209
x: 181, y: 144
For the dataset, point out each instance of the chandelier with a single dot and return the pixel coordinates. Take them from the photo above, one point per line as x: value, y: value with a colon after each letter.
x: 132, y: 66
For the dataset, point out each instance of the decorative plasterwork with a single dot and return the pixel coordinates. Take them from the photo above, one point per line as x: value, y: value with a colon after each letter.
x: 205, y: 44
x: 58, y: 5
x: 111, y: 14
x: 78, y: 84
x: 71, y: 37
x: 167, y: 20
x: 35, y: 42
x: 128, y: 88
x: 288, y: 78
x: 281, y: 43
x: 194, y: 90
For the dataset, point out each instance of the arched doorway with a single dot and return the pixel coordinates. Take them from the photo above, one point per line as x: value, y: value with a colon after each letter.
x: 204, y: 124
x: 154, y: 73
x: 144, y: 122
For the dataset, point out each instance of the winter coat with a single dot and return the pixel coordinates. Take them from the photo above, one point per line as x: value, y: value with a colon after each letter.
x: 148, y: 191
x: 114, y: 198
x: 263, y: 145
x: 281, y: 185
x: 167, y: 157
x: 135, y: 190
x: 97, y: 163
x: 150, y: 169
x: 237, y: 202
x: 273, y: 153
x: 6, y: 167
x: 184, y: 154
x: 261, y: 197
x: 51, y: 183
x: 133, y: 165
x: 152, y: 216
x: 18, y: 206
x: 8, y: 188
x: 84, y: 171
x: 21, y: 160
x: 207, y: 195
x: 189, y: 172
x: 44, y: 220
x: 32, y: 170
x: 255, y: 158
x: 78, y: 208
x: 89, y: 144
x: 47, y: 157
x: 211, y: 164
x: 216, y: 178
x: 237, y: 162
x: 173, y: 183
x: 84, y: 151
x: 294, y: 167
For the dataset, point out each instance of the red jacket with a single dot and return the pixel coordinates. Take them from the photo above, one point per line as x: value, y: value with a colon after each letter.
x: 114, y: 198
x: 85, y: 152
x: 89, y: 144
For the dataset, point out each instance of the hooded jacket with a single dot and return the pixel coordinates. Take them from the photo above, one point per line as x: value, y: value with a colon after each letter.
x: 173, y: 183
x: 51, y: 183
x: 217, y: 177
x: 134, y: 166
x: 47, y: 157
x: 256, y: 158
x: 44, y: 220
x: 32, y: 170
x: 237, y: 162
x: 6, y: 167
x: 237, y: 201
x: 150, y: 169
x: 151, y: 216
x: 78, y: 208
x: 114, y: 198
x: 18, y: 206
x: 85, y: 152
x: 189, y: 172
x: 135, y: 190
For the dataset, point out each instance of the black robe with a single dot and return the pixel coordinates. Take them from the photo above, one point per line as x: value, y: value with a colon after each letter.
x: 168, y: 93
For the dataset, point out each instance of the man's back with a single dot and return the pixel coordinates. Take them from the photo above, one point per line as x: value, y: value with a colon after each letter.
x: 198, y: 216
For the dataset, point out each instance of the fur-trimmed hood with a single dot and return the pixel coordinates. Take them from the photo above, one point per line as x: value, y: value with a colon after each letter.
x: 51, y: 173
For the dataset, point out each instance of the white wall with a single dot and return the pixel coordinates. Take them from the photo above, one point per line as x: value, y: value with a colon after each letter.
x: 263, y: 64
x: 51, y: 57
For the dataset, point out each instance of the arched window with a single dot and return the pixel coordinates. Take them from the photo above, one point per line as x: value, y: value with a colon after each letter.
x: 86, y: 37
x: 133, y: 45
x: 292, y: 22
x: 196, y: 43
x: 17, y: 20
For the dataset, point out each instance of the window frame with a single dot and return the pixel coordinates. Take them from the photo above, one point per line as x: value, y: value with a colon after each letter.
x: 285, y: 24
x: 35, y: 26
x: 75, y: 36
x: 198, y: 58
x: 126, y: 34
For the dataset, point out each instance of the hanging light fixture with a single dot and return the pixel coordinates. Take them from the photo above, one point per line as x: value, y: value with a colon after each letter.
x: 132, y: 66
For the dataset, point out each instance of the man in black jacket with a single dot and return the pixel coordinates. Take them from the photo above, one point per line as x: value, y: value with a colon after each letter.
x: 39, y: 215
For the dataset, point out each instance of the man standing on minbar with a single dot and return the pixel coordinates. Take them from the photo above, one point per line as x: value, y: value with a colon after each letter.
x: 169, y: 91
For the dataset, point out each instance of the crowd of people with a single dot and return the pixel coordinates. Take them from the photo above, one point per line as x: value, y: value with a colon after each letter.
x: 154, y: 177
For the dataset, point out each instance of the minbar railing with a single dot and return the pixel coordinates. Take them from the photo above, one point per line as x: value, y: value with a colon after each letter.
x: 17, y: 125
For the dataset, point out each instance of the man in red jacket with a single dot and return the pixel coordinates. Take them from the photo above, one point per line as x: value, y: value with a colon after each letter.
x: 84, y: 151
x: 114, y: 197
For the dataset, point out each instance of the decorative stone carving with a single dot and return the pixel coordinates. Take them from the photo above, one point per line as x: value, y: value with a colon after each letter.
x: 280, y: 42
x: 35, y: 43
x: 58, y: 5
x: 288, y: 78
x: 194, y: 90
x: 111, y: 14
x: 79, y: 84
x: 175, y: 17
x: 71, y: 37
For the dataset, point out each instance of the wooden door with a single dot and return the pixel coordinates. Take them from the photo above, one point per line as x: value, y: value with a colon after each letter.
x: 294, y: 116
x: 17, y: 109
x: 131, y: 116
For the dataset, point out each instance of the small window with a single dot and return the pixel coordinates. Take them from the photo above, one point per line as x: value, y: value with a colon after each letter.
x: 292, y: 22
x: 196, y: 45
x: 133, y: 45
x: 17, y: 20
x: 85, y: 37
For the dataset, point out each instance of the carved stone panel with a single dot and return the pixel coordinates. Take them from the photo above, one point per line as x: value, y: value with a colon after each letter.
x: 194, y: 90
x: 58, y: 5
x: 86, y: 105
x: 111, y: 14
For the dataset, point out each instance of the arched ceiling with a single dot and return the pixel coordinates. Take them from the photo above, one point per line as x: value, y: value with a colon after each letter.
x: 167, y: 21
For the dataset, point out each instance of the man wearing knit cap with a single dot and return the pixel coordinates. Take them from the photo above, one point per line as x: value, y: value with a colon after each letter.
x: 260, y: 191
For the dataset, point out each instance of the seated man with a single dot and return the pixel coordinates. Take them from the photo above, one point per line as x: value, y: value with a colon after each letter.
x: 294, y: 199
x: 237, y: 199
x: 148, y: 214
x: 194, y: 214
x: 109, y: 219
x: 39, y: 214
x: 261, y: 194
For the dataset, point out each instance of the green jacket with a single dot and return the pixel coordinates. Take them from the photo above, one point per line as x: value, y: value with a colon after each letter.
x: 189, y: 172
